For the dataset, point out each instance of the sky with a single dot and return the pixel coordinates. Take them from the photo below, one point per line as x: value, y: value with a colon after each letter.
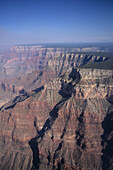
x: 55, y: 21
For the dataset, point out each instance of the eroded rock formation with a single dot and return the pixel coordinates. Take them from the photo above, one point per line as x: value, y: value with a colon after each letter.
x: 66, y: 124
x: 31, y: 67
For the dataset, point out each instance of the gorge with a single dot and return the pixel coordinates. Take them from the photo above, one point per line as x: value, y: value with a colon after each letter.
x: 58, y: 115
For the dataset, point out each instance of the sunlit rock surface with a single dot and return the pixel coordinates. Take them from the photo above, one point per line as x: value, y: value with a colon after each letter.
x: 65, y: 124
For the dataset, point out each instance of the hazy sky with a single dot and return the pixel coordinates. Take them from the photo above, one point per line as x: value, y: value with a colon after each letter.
x: 40, y: 21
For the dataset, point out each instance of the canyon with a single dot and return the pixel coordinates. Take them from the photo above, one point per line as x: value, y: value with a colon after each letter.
x: 29, y: 67
x: 57, y: 115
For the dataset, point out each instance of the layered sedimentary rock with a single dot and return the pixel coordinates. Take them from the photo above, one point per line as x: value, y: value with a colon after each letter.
x: 56, y: 66
x: 24, y: 59
x: 42, y: 64
x: 66, y: 124
x: 7, y: 91
x: 60, y: 63
x: 17, y: 63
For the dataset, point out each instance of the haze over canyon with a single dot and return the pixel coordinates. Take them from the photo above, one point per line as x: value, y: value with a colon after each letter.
x: 56, y: 108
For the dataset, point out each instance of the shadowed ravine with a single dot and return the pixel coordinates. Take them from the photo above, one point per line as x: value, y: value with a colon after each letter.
x: 40, y: 134
x: 53, y: 115
x: 67, y: 124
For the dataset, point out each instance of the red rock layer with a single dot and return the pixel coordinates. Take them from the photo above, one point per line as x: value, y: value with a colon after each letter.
x: 59, y: 126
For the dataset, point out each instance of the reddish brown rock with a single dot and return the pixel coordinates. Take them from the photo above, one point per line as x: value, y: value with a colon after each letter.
x: 62, y: 125
x: 25, y: 68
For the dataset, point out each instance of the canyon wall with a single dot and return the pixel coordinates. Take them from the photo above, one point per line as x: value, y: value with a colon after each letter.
x: 27, y: 68
x: 65, y: 124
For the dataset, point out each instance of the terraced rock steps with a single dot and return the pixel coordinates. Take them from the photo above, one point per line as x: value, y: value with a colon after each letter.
x: 62, y: 125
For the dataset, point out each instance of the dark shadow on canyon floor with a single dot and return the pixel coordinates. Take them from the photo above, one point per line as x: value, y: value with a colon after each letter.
x: 20, y: 98
x: 66, y: 91
x: 40, y: 134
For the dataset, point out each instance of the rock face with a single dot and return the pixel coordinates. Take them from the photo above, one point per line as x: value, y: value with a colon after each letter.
x: 31, y: 67
x: 25, y: 59
x: 65, y: 124
x: 60, y: 63
x: 56, y: 66
x: 7, y: 91
x: 18, y: 62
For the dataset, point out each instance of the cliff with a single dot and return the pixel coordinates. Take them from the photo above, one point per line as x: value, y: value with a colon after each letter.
x: 65, y: 124
x: 60, y: 63
x: 39, y: 66
x: 56, y: 66
x: 22, y: 60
